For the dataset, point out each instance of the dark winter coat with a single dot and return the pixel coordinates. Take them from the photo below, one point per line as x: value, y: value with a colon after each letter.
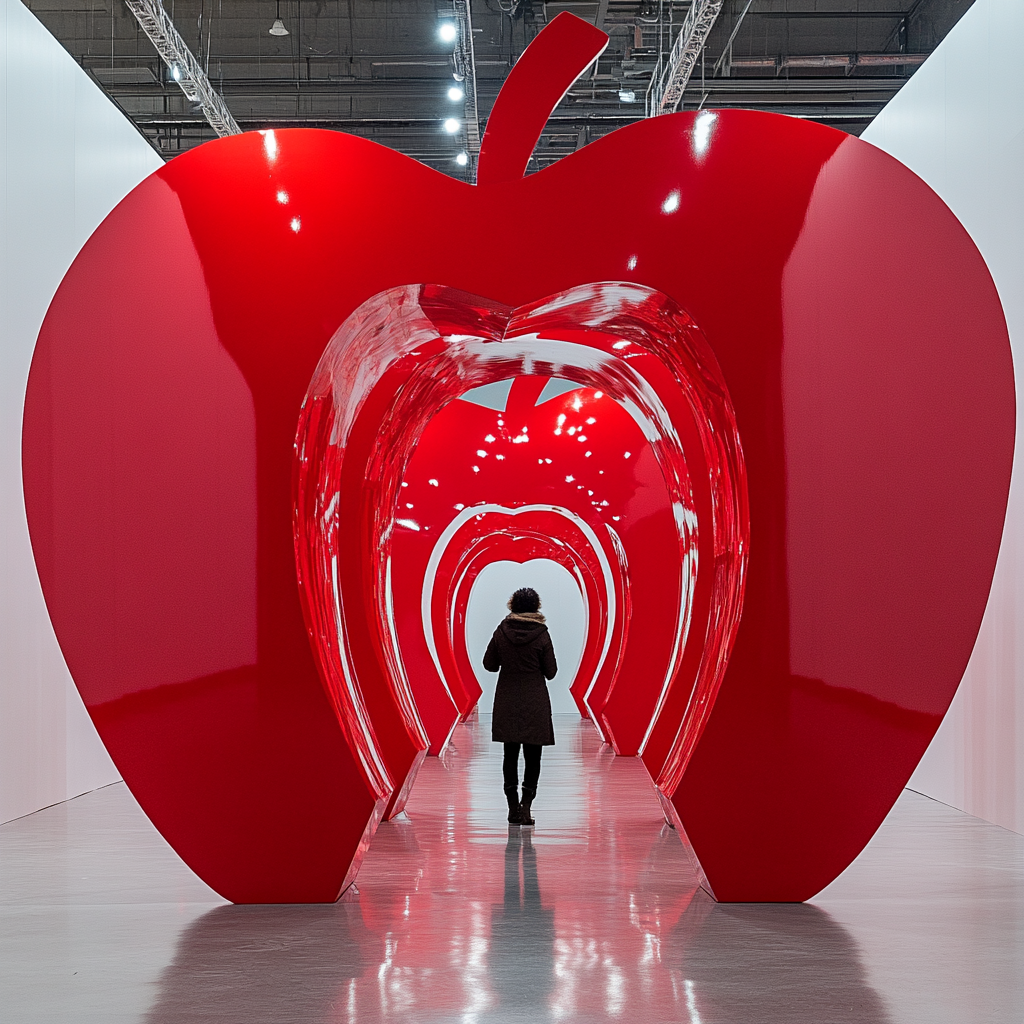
x: 521, y: 647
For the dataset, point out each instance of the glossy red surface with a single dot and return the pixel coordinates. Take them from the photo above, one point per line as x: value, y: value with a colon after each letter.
x: 650, y: 384
x: 823, y: 376
x: 534, y: 87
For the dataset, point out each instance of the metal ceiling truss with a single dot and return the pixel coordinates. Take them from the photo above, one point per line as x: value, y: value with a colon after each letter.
x: 670, y: 77
x: 381, y: 71
x: 182, y: 64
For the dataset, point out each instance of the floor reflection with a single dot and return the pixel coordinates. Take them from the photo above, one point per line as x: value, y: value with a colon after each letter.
x: 459, y: 916
x: 521, y: 951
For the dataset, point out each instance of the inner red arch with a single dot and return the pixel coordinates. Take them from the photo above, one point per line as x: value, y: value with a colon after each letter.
x: 496, y: 533
x: 605, y: 629
x: 644, y: 454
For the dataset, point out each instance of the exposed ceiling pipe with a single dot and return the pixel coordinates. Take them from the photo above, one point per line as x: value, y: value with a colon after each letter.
x: 184, y: 68
x: 669, y: 82
x: 726, y: 57
x: 777, y: 86
x: 466, y: 66
x: 887, y: 59
x: 834, y: 60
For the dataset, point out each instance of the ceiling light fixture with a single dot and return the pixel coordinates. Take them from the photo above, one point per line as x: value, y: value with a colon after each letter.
x: 462, y: 159
x: 451, y: 125
x: 455, y: 94
x: 278, y: 29
x: 447, y: 32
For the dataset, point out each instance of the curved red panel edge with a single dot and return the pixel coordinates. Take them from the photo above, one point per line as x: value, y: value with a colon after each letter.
x: 521, y: 534
x: 441, y: 481
x: 883, y: 443
x: 153, y: 527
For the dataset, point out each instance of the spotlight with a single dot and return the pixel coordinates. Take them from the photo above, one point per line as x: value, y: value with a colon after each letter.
x: 462, y: 159
x: 451, y: 125
x: 278, y: 29
x: 447, y: 32
x: 455, y: 94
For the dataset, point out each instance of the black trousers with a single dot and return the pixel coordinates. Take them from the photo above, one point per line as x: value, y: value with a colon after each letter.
x: 510, y: 765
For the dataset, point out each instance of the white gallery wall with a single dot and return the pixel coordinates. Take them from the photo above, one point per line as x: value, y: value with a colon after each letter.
x: 959, y: 124
x: 67, y: 157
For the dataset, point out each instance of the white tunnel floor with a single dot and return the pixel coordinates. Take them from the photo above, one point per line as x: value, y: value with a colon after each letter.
x: 591, y: 916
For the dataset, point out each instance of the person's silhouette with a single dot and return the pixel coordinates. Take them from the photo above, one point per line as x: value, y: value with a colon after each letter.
x: 521, y: 649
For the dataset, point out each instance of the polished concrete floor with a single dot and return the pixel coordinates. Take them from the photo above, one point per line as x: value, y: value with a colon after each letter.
x: 594, y: 915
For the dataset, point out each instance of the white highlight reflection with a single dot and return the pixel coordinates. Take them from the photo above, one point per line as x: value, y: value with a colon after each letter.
x: 269, y: 144
x: 702, y: 131
x: 691, y: 1002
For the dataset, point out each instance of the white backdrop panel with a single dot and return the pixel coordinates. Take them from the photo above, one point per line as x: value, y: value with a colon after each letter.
x: 67, y: 157
x: 959, y: 124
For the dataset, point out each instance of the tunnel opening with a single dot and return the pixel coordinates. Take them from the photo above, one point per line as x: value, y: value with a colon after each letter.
x: 442, y: 434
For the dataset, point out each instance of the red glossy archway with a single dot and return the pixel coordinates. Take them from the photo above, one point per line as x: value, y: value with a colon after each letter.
x: 804, y: 335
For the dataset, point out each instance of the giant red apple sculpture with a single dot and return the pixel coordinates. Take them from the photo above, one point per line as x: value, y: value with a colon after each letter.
x: 840, y: 473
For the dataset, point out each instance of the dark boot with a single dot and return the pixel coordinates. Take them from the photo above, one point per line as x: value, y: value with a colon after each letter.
x: 515, y: 811
x: 524, y: 807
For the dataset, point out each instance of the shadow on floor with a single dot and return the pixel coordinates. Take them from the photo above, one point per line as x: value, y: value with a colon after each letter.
x: 770, y: 963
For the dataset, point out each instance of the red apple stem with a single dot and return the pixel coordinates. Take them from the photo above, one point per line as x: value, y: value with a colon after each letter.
x: 559, y: 54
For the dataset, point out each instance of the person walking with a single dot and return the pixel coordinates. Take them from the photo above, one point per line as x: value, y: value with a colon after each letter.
x: 521, y: 648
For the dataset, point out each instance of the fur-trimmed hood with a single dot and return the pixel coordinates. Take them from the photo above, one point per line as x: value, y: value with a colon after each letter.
x: 522, y: 627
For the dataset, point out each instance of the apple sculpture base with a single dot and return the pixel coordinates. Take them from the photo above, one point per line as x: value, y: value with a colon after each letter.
x: 811, y: 349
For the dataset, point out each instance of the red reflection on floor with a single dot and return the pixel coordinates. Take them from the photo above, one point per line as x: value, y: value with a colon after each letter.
x: 594, y: 915
x: 564, y: 919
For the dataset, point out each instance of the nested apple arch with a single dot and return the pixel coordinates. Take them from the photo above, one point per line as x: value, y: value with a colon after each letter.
x: 485, y: 533
x: 401, y: 359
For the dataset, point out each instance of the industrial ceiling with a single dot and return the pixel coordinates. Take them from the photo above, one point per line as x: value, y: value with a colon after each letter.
x: 383, y: 69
